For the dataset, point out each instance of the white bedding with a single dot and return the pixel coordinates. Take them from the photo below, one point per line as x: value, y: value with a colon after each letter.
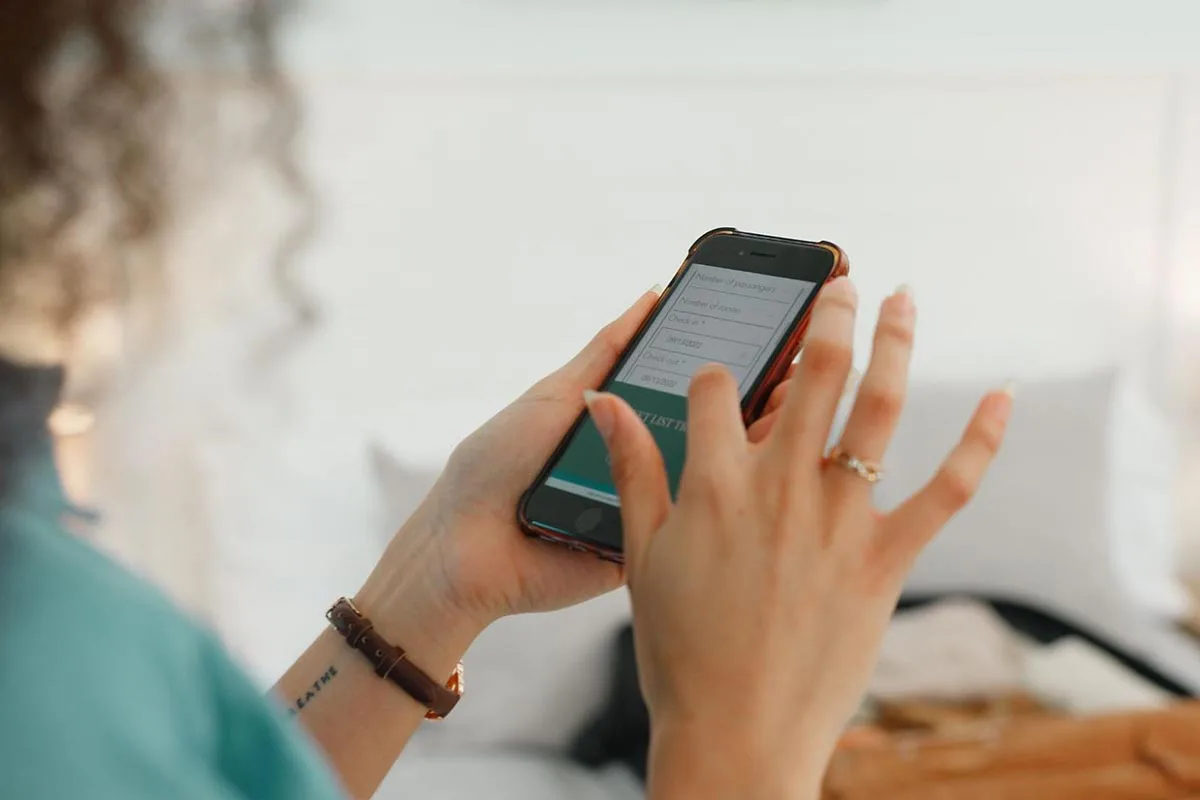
x: 505, y: 776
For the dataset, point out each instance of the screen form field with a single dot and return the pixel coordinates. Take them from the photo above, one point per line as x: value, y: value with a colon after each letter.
x: 717, y: 316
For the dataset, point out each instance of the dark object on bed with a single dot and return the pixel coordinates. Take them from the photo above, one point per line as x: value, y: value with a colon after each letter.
x: 621, y: 731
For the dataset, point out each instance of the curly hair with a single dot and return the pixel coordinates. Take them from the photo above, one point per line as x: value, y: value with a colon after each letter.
x: 88, y: 119
x: 85, y: 114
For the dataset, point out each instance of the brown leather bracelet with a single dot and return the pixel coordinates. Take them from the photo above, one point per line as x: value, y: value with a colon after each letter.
x: 391, y: 663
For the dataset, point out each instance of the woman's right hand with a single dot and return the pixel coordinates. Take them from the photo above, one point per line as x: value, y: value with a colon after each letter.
x: 761, y: 595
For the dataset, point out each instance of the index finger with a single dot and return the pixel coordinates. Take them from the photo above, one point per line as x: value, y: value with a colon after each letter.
x: 714, y: 418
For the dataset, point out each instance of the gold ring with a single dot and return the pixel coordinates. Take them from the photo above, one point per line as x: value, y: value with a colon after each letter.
x: 867, y: 470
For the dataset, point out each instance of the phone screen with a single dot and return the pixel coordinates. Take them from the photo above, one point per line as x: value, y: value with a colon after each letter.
x: 739, y: 315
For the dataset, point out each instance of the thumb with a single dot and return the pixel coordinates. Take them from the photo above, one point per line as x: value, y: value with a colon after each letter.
x: 637, y: 471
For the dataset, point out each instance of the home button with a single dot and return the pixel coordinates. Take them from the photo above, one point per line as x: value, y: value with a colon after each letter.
x: 588, y: 520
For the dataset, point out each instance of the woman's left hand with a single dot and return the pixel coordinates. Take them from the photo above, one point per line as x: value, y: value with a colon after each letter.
x: 473, y: 557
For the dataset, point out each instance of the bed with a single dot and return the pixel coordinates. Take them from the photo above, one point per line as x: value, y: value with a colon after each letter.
x: 1094, y: 546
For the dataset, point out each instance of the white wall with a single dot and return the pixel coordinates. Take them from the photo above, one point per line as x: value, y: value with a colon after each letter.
x: 1185, y: 231
x: 500, y: 180
x: 1025, y: 214
x: 1185, y: 304
x: 517, y: 151
x: 538, y: 39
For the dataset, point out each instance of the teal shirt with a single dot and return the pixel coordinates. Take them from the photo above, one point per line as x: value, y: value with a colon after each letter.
x: 108, y: 691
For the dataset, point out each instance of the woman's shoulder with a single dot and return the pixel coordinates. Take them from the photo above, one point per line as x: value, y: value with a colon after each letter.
x: 59, y: 588
x: 101, y: 670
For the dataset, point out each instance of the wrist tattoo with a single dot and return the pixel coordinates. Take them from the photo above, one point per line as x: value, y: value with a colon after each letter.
x: 311, y: 693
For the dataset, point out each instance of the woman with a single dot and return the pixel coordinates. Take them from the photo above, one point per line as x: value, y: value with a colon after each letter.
x: 759, y: 597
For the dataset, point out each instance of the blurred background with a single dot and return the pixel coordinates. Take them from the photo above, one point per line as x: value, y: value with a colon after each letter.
x: 496, y: 180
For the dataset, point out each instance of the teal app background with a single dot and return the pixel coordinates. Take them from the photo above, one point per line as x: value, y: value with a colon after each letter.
x: 585, y: 461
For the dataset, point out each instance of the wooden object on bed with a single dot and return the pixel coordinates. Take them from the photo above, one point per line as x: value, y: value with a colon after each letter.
x: 952, y: 717
x: 1147, y: 756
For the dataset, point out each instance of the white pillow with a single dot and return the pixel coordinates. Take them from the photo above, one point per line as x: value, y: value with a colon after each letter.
x: 1144, y: 462
x: 1071, y: 496
x: 533, y: 680
x: 1036, y: 530
x: 401, y: 485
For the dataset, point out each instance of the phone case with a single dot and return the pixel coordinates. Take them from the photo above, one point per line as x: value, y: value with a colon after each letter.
x: 753, y: 406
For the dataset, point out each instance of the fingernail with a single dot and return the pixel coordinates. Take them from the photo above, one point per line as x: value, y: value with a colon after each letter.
x: 1010, y: 389
x: 905, y: 293
x: 601, y: 414
x: 657, y: 289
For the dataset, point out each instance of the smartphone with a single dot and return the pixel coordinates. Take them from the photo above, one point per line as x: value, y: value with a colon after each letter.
x: 739, y: 299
